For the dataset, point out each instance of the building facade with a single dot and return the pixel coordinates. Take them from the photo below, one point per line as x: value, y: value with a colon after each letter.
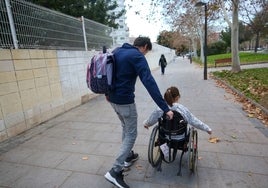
x: 121, y: 34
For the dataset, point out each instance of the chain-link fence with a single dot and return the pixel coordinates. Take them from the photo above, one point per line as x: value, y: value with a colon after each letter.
x: 27, y: 26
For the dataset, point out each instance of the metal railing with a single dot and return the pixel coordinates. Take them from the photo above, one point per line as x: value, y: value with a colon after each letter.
x: 27, y: 26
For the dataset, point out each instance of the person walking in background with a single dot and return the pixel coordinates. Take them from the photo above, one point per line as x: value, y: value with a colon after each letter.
x: 130, y: 63
x: 162, y: 63
x: 190, y: 57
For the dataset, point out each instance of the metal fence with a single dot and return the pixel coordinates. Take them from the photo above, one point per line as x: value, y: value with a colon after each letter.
x: 27, y: 26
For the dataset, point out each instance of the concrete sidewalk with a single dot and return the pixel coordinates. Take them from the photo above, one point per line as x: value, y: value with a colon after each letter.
x: 75, y: 149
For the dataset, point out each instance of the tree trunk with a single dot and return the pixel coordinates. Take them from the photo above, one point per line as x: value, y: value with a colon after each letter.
x: 201, y: 34
x: 195, y: 48
x: 257, y: 41
x: 235, y: 38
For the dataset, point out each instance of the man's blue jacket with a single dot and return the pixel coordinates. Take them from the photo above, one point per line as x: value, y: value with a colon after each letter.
x: 131, y: 63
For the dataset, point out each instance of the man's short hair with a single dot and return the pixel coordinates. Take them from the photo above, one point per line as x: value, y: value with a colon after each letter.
x: 142, y: 41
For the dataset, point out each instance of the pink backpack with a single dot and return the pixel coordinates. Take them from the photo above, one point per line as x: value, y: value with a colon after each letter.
x: 100, y: 73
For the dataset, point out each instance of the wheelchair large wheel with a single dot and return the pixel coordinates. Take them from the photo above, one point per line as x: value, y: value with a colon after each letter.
x: 154, y: 153
x: 192, y: 151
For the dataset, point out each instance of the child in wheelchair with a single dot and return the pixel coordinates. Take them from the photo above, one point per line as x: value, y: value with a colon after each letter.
x: 173, y: 134
x: 172, y: 96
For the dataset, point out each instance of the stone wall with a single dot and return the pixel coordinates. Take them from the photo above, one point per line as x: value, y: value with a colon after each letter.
x: 37, y: 85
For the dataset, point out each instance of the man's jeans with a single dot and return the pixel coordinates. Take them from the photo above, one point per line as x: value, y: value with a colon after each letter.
x: 128, y: 116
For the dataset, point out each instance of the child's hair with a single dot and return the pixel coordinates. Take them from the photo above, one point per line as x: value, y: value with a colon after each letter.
x: 170, y: 95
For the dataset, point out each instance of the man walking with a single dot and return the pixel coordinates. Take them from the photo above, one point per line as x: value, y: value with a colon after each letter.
x: 130, y: 63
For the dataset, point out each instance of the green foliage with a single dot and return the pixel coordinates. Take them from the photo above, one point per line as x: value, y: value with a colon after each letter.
x: 251, y: 82
x: 226, y: 36
x: 165, y: 39
x: 218, y: 47
x: 97, y: 10
x: 244, y: 34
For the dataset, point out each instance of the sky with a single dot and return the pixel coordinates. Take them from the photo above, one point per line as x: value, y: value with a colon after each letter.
x: 137, y: 22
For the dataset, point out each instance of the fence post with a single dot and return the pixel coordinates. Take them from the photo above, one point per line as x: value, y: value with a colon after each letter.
x: 11, y: 23
x: 113, y: 36
x: 84, y: 31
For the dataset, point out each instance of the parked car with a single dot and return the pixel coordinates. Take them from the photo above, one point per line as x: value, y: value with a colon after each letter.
x: 189, y: 54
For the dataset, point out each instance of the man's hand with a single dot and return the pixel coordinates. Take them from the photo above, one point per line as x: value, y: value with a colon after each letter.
x: 170, y: 114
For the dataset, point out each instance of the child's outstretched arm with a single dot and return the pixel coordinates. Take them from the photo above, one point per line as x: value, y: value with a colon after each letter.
x: 197, y: 123
x: 153, y: 118
x: 192, y: 120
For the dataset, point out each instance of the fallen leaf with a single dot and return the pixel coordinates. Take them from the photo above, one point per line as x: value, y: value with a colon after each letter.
x: 139, y: 167
x: 85, y: 158
x: 251, y: 115
x: 213, y: 140
x: 233, y: 136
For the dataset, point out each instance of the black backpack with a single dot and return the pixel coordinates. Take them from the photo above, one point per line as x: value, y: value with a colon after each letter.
x: 175, y: 126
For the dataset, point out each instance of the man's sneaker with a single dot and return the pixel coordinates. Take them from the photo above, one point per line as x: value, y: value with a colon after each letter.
x: 116, y: 178
x: 132, y: 157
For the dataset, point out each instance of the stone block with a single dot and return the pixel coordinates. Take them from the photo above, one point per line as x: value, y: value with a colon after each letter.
x: 41, y: 81
x: 29, y: 95
x: 53, y: 71
x: 16, y: 129
x: 6, y: 77
x: 20, y: 54
x: 28, y: 104
x: 45, y: 108
x: 5, y: 54
x: 22, y: 64
x: 24, y: 74
x: 72, y: 103
x: 54, y: 78
x: 51, y: 62
x: 14, y: 118
x: 56, y: 91
x: 32, y: 117
x: 10, y: 99
x: 6, y: 65
x: 7, y: 88
x: 32, y: 122
x: 50, y: 54
x: 44, y: 94
x: 46, y: 115
x: 38, y: 63
x: 58, y: 110
x: 36, y: 54
x: 26, y: 84
x: 41, y: 72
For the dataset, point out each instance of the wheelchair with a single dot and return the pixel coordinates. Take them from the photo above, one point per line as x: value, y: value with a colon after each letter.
x: 173, y: 135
